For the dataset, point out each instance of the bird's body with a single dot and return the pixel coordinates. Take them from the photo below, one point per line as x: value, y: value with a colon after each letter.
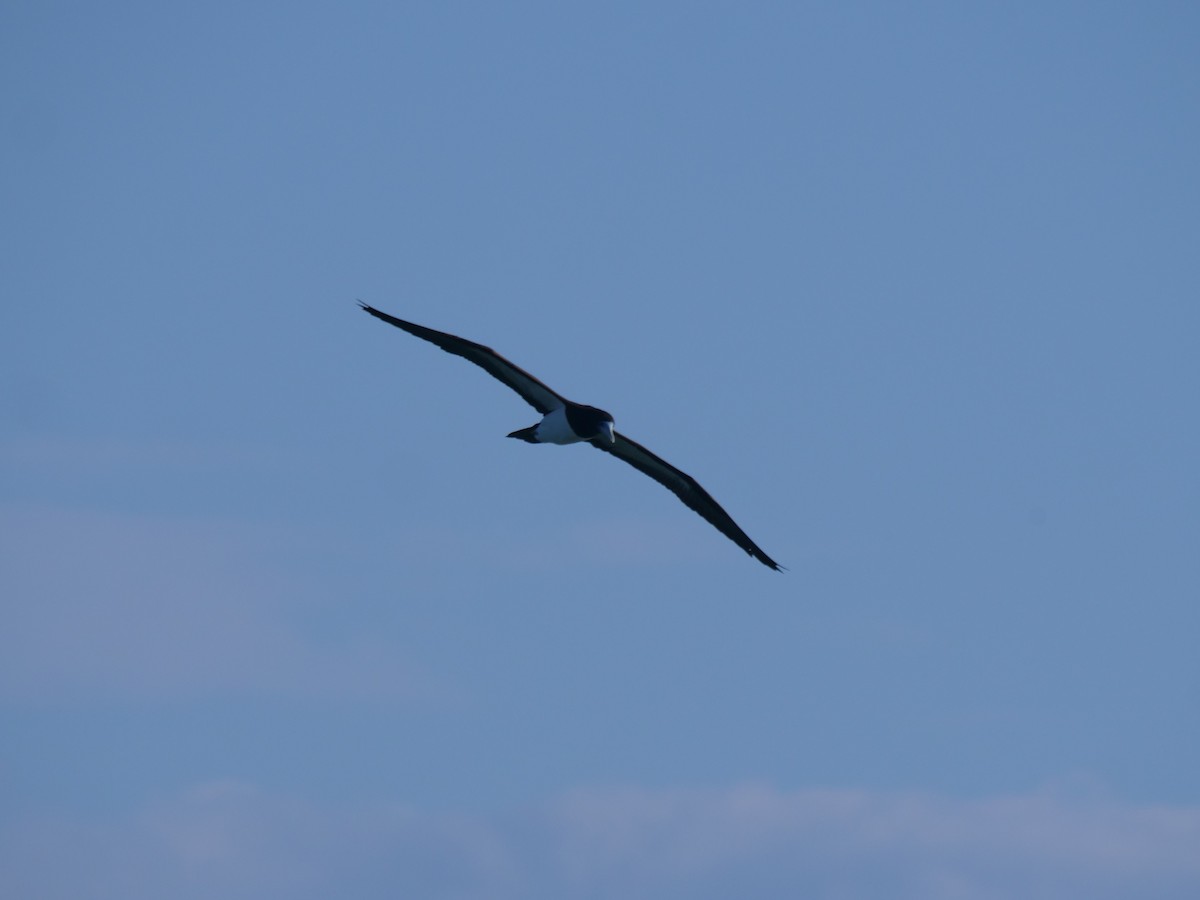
x: 565, y: 422
x: 570, y: 423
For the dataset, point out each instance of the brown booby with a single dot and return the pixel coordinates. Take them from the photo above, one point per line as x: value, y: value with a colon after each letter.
x: 564, y: 422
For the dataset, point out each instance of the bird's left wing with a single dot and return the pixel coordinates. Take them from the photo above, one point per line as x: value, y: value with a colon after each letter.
x: 531, y: 390
x: 687, y: 489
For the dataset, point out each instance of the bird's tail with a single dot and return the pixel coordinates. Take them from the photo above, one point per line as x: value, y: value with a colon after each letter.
x: 526, y: 434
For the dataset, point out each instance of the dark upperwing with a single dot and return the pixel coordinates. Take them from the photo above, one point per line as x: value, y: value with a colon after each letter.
x: 531, y: 390
x: 686, y: 488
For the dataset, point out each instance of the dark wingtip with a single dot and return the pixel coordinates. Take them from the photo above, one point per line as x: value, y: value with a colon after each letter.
x: 767, y: 561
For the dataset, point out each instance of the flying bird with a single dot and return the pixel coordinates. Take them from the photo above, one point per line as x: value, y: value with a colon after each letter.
x: 564, y: 422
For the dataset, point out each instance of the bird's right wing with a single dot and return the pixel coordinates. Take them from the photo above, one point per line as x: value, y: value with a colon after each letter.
x: 687, y: 489
x: 531, y: 390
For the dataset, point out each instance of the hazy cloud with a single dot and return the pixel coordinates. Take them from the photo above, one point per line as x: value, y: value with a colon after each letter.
x: 232, y: 840
x: 134, y: 606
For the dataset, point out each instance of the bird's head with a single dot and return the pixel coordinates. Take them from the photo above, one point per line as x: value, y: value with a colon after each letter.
x: 592, y: 424
x: 605, y: 434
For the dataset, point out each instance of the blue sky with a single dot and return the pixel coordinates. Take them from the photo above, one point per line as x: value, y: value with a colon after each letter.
x: 911, y: 289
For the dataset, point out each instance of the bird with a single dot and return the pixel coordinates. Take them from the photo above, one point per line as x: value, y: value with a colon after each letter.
x: 565, y: 422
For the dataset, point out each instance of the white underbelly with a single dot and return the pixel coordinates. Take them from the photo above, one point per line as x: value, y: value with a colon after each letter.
x: 554, y: 428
